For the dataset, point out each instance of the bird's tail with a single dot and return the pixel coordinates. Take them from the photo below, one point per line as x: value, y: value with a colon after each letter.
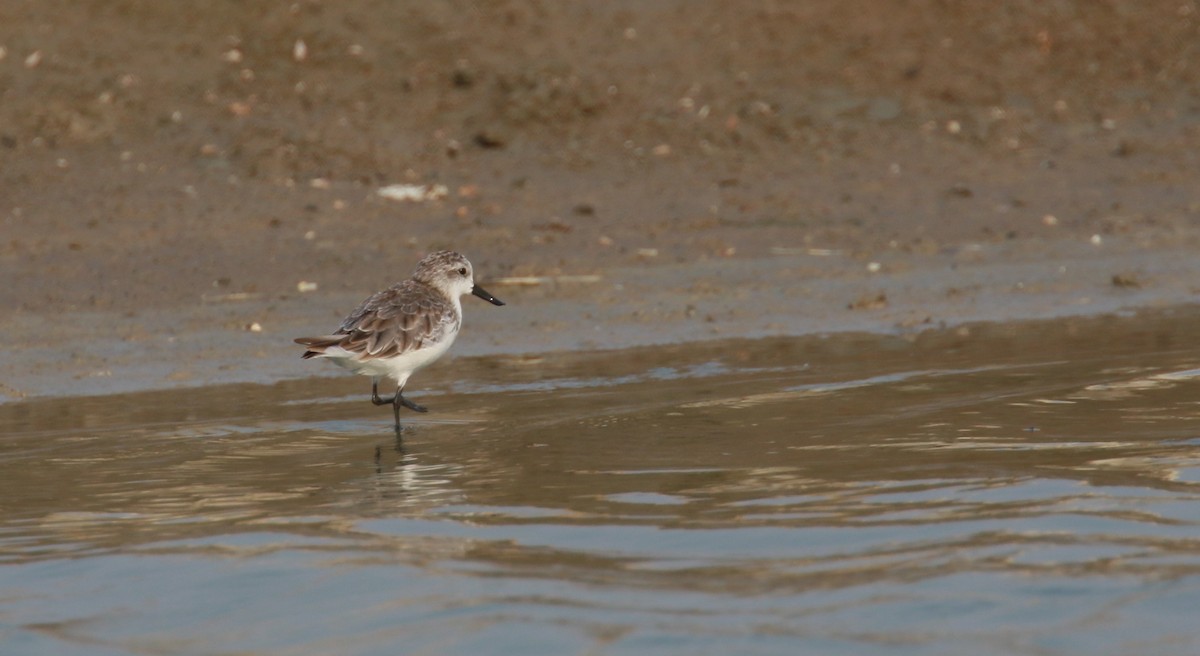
x: 317, y: 345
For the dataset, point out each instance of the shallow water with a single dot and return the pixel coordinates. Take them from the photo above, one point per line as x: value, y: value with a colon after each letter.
x: 1015, y: 489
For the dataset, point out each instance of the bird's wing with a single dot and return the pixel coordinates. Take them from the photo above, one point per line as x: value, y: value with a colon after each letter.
x: 407, y: 317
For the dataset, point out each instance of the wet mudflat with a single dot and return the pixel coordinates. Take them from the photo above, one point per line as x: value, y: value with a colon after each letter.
x: 1010, y: 488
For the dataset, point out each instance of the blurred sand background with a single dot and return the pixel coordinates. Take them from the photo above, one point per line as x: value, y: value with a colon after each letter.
x: 175, y: 177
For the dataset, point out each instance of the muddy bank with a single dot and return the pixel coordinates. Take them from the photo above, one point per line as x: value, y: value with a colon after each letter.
x: 169, y: 176
x: 247, y: 338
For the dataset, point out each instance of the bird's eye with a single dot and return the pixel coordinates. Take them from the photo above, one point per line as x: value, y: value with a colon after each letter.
x: 462, y: 271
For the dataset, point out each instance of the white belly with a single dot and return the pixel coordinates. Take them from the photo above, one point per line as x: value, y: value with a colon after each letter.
x: 398, y: 368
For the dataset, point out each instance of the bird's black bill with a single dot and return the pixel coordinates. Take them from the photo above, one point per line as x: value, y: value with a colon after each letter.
x: 482, y: 293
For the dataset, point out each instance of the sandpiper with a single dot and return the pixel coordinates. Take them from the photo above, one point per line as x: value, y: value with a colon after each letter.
x: 404, y: 327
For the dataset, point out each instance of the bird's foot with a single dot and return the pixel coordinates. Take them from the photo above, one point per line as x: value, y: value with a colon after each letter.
x: 410, y: 405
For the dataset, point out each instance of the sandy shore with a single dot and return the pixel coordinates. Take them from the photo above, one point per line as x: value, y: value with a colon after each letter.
x: 248, y: 338
x: 169, y: 178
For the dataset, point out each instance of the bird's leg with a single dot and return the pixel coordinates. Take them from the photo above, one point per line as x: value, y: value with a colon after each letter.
x: 401, y: 401
x: 391, y: 399
x: 375, y: 394
x: 396, y: 400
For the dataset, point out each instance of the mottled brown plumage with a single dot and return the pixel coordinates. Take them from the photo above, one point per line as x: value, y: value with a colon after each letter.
x: 405, y: 317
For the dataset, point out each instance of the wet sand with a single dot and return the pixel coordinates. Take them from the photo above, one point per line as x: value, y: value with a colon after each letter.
x: 169, y: 177
x: 105, y: 352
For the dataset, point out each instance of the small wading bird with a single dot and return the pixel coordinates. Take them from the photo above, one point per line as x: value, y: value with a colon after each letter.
x: 404, y: 327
